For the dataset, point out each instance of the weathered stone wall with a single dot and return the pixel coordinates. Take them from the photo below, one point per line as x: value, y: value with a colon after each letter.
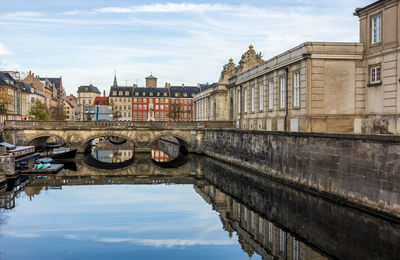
x: 362, y: 170
x: 338, y: 232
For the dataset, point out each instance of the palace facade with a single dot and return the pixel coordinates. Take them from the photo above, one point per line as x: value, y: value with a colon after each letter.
x: 317, y: 86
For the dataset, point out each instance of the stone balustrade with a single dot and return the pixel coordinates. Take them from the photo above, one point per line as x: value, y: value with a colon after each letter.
x: 14, y: 124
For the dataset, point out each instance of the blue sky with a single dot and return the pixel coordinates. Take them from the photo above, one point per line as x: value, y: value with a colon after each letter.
x: 178, y: 41
x: 116, y: 222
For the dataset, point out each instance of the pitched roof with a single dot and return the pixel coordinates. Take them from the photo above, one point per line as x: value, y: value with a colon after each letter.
x: 151, y: 92
x: 121, y: 88
x: 101, y: 101
x: 151, y: 76
x: 204, y: 87
x: 89, y: 88
x: 184, y: 92
x: 55, y: 81
x: 6, y: 79
x: 69, y: 103
x: 25, y: 86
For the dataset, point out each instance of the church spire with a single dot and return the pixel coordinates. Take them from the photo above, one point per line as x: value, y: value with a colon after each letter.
x: 115, y: 79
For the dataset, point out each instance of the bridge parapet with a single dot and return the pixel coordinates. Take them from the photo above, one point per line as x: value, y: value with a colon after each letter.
x: 53, y: 125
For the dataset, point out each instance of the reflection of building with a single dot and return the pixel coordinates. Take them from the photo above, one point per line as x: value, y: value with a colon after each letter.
x: 160, y: 156
x: 7, y: 197
x: 113, y: 156
x: 379, y: 32
x: 255, y: 233
x: 86, y: 96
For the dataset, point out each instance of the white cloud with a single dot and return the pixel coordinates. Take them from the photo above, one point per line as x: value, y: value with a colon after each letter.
x: 22, y: 234
x: 183, y: 7
x: 169, y: 243
x: 113, y: 10
x: 160, y: 8
x: 4, y: 50
x: 22, y: 14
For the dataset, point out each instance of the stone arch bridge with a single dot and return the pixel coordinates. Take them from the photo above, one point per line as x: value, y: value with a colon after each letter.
x: 78, y: 134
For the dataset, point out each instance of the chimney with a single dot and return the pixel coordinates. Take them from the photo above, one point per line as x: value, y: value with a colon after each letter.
x: 183, y: 85
x: 104, y: 93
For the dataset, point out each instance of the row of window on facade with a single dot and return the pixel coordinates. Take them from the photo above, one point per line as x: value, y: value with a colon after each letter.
x: 156, y: 114
x: 271, y: 93
x: 271, y: 231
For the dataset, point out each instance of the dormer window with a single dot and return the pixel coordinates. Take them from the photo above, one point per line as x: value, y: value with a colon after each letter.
x: 144, y: 94
x: 114, y: 93
x: 185, y: 94
x: 127, y: 93
x: 158, y: 94
x: 151, y: 94
x: 376, y: 28
x: 165, y: 94
x: 120, y: 93
x: 136, y: 93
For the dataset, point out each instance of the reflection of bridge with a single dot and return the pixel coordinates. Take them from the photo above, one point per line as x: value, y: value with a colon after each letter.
x: 78, y: 134
x: 270, y: 218
x: 140, y: 165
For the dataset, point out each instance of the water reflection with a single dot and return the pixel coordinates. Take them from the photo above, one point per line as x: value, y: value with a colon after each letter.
x: 251, y: 216
x: 112, y: 149
x: 113, y: 156
x: 166, y: 149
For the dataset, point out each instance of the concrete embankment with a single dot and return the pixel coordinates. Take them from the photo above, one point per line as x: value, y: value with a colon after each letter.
x: 361, y: 170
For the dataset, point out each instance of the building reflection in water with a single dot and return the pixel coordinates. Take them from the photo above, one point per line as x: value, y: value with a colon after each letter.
x: 270, y: 219
x: 113, y: 156
x: 256, y: 234
x: 10, y: 193
x: 165, y: 149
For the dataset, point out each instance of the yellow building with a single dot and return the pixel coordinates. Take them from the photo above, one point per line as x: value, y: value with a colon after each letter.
x: 86, y: 96
x: 379, y: 32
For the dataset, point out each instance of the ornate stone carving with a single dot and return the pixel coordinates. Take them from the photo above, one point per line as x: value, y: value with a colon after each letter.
x: 249, y: 60
x: 227, y: 72
x: 74, y: 139
x: 143, y: 138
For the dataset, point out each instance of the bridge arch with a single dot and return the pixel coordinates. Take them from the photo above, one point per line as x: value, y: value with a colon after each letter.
x: 87, y: 140
x: 183, y: 141
x: 42, y: 138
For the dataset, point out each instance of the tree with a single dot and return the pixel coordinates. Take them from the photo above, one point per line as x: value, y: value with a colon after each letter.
x: 38, y: 111
x: 176, y: 110
x: 57, y: 113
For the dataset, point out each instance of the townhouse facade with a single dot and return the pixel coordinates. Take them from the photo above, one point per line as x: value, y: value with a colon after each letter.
x: 86, y: 96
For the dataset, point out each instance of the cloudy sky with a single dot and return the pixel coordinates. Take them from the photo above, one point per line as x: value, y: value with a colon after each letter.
x: 178, y: 41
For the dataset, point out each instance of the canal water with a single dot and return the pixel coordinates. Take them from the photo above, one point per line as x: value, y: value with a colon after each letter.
x: 132, y: 206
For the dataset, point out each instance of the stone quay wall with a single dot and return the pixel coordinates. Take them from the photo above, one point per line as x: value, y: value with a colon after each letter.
x: 361, y: 170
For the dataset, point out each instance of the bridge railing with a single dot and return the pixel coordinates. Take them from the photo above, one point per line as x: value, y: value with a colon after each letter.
x: 25, y: 124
